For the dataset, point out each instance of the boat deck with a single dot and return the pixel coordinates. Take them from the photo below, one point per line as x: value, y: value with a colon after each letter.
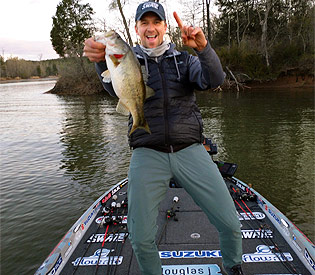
x: 187, y: 242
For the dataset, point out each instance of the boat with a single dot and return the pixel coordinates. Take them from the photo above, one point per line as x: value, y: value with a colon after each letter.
x: 188, y: 244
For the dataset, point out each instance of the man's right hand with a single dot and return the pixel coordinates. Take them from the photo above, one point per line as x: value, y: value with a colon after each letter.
x: 94, y: 51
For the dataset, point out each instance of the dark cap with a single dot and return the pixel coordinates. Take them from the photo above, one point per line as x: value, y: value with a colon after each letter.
x: 149, y: 6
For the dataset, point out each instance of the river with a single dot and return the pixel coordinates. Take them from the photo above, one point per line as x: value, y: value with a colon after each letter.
x: 58, y: 154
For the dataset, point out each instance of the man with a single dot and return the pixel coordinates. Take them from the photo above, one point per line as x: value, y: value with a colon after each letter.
x: 174, y: 148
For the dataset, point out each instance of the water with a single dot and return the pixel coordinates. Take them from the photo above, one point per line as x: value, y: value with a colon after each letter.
x: 58, y: 154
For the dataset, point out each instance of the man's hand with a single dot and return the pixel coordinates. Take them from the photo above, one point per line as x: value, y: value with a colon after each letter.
x: 192, y: 36
x: 94, y: 51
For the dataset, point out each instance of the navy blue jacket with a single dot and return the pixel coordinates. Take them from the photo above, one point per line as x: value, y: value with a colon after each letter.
x: 172, y: 113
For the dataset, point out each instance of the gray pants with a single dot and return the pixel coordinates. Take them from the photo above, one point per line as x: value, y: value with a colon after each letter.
x: 149, y: 174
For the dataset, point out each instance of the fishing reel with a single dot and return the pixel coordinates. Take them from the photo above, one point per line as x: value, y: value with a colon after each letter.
x: 171, y: 213
x: 238, y: 194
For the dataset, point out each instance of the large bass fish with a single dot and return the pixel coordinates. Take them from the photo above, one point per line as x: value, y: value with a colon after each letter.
x: 124, y: 72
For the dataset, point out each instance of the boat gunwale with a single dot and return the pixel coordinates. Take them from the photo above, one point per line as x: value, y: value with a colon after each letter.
x: 67, y: 245
x: 72, y: 238
x: 295, y: 238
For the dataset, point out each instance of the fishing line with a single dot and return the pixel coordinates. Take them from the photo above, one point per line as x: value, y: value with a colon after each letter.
x: 120, y: 249
x: 116, y: 222
x: 99, y: 256
x: 105, y: 211
x: 111, y: 258
x: 288, y: 265
x: 108, y: 221
x: 272, y: 241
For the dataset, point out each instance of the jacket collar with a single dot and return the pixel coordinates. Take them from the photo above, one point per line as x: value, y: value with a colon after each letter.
x: 171, y: 52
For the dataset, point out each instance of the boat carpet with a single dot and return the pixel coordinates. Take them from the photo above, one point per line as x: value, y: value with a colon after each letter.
x: 187, y: 242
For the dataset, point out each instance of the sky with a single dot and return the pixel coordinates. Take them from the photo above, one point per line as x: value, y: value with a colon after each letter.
x: 25, y: 27
x: 26, y: 24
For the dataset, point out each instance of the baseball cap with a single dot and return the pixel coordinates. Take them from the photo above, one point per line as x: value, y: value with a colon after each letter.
x: 155, y: 7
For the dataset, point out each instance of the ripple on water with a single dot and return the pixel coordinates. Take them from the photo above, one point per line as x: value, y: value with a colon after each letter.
x: 61, y: 153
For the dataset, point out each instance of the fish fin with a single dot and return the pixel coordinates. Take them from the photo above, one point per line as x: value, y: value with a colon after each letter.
x: 106, y: 76
x: 114, y: 60
x: 122, y: 109
x: 149, y: 92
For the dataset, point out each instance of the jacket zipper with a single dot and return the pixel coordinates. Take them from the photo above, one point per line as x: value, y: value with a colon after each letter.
x: 165, y: 104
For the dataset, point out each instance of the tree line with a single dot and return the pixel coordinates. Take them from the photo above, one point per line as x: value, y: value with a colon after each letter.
x: 259, y: 39
x: 14, y: 68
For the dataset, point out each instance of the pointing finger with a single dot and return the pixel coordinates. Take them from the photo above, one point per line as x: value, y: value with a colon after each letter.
x: 178, y: 20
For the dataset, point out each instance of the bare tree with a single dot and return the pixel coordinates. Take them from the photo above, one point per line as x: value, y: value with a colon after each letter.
x: 125, y: 22
x: 264, y: 29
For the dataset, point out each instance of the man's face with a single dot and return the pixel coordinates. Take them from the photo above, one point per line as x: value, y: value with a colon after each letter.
x: 151, y: 30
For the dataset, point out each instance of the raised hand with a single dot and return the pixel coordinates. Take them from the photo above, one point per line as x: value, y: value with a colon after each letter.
x: 192, y: 36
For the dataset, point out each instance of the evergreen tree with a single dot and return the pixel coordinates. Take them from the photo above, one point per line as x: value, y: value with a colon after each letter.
x: 72, y: 24
x: 38, y: 70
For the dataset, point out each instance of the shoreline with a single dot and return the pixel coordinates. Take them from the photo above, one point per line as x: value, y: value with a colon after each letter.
x: 288, y: 81
x: 283, y: 82
x: 4, y: 81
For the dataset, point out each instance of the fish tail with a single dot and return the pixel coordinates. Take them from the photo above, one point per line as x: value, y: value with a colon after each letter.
x: 144, y: 126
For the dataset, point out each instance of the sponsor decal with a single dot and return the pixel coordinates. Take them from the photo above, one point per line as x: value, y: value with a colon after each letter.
x: 309, y: 259
x: 88, y: 219
x: 106, y: 198
x: 264, y: 254
x: 68, y: 250
x: 296, y: 244
x: 56, y: 266
x: 257, y: 234
x: 240, y: 186
x: 204, y: 269
x: 260, y: 202
x: 188, y: 254
x: 115, y: 190
x: 99, y: 238
x: 111, y: 193
x: 124, y: 219
x: 102, y: 259
x: 256, y: 216
x: 273, y: 215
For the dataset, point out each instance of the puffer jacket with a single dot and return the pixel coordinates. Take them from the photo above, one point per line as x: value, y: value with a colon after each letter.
x: 172, y: 113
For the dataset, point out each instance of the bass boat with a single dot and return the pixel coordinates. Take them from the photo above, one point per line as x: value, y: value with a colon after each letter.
x: 188, y: 244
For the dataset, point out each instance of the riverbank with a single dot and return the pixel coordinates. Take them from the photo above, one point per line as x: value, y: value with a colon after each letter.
x: 288, y: 81
x: 32, y: 79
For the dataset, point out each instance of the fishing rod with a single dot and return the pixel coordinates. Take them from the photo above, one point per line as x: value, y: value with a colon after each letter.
x: 108, y: 222
x: 289, y: 266
x: 105, y: 212
x: 111, y: 258
x: 120, y: 249
x: 100, y: 253
x: 124, y: 206
x: 116, y: 222
x: 171, y: 213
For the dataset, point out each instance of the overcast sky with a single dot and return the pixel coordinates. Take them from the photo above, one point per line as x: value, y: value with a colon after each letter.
x: 26, y: 24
